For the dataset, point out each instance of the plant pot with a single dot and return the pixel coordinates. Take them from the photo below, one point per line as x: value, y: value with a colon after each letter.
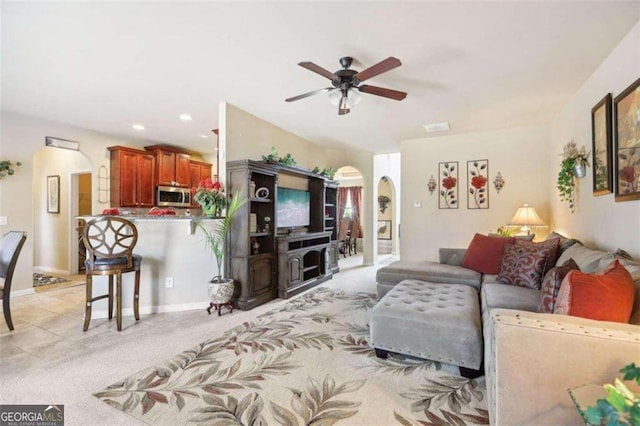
x: 220, y: 292
x: 579, y: 170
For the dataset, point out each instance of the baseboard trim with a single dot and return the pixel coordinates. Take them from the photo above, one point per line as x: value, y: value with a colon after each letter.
x: 24, y: 292
x: 47, y: 270
x: 145, y: 310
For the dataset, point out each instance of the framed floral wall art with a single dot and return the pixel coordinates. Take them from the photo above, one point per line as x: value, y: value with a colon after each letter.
x: 626, y: 112
x: 477, y: 193
x: 448, y: 176
x: 601, y: 147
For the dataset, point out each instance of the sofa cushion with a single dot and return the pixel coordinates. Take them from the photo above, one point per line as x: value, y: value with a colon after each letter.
x: 503, y: 296
x: 588, y: 260
x: 485, y: 253
x: 565, y: 242
x: 427, y: 271
x: 553, y: 246
x: 551, y: 285
x: 606, y: 296
x: 633, y: 267
x: 451, y: 256
x: 523, y: 265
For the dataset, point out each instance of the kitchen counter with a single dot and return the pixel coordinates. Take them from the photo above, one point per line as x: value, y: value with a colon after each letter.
x: 176, y: 266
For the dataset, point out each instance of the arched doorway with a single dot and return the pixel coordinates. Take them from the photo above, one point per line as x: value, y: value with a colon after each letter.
x: 63, y: 178
x: 386, y: 224
x: 351, y: 215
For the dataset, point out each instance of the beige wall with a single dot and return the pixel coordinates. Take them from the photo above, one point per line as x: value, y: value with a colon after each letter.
x: 247, y: 136
x: 599, y: 221
x: 520, y: 154
x: 22, y: 196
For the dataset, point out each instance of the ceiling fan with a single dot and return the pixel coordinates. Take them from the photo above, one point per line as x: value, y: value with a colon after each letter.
x: 346, y: 81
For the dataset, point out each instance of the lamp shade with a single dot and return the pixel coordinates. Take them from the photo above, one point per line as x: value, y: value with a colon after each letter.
x: 526, y: 216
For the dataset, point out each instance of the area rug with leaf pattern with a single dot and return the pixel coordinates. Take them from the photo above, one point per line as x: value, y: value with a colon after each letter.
x: 307, y: 362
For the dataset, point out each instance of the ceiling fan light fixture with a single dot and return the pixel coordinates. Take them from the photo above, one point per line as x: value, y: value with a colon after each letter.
x: 353, y: 97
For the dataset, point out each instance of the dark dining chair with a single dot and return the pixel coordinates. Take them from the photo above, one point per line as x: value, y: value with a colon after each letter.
x: 10, y: 247
x: 109, y: 242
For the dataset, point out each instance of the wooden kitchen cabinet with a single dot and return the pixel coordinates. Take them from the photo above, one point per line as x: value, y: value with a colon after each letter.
x: 198, y: 171
x: 132, y: 177
x: 172, y: 165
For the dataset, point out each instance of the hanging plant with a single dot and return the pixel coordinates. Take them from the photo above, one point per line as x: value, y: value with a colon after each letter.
x: 7, y: 168
x: 383, y: 200
x: 573, y: 165
x: 328, y: 172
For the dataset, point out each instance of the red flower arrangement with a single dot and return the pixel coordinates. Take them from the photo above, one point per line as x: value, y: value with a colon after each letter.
x: 449, y: 182
x: 210, y: 195
x: 478, y: 182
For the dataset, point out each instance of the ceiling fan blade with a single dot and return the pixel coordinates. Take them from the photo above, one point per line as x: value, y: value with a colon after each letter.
x: 384, y: 66
x: 319, y: 70
x: 381, y: 91
x: 306, y: 95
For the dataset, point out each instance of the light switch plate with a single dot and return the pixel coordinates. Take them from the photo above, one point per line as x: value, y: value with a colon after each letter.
x: 417, y: 204
x: 3, y: 220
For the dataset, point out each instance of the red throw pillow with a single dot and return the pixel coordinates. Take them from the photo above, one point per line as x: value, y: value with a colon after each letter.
x: 606, y: 296
x: 485, y: 253
x: 523, y: 265
x: 551, y: 285
x: 552, y: 245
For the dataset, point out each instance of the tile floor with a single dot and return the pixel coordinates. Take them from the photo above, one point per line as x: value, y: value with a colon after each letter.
x: 48, y: 359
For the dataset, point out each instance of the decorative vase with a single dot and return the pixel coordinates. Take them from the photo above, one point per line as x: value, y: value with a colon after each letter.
x: 579, y: 169
x: 210, y: 211
x: 220, y: 292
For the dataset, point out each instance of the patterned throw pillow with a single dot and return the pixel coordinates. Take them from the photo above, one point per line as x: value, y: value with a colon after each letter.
x: 551, y: 285
x: 523, y: 266
x: 605, y: 296
x: 553, y: 246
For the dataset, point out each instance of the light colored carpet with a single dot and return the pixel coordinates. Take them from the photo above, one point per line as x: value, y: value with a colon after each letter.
x: 306, y: 362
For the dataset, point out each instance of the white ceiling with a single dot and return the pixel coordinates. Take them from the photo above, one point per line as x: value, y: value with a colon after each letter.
x: 478, y: 65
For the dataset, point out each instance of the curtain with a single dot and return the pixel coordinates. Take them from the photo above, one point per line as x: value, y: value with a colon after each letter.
x: 356, y: 202
x: 341, y: 207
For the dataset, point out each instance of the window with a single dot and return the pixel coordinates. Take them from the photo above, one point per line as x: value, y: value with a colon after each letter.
x: 348, y: 208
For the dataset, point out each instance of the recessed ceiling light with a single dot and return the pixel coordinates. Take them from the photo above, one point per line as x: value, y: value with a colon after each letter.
x: 138, y: 127
x: 437, y: 127
x: 185, y: 117
x: 203, y: 136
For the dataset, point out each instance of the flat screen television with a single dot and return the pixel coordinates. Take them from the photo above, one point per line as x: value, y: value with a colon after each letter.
x: 293, y: 208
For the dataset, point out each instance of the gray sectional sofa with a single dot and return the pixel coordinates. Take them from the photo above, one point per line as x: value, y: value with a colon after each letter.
x: 531, y: 358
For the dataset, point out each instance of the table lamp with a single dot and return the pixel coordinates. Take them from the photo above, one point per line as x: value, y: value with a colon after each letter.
x: 526, y: 217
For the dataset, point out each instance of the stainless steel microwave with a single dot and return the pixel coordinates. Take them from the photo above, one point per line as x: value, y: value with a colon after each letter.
x: 171, y: 196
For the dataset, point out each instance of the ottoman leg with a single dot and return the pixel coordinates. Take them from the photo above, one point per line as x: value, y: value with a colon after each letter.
x: 470, y: 373
x: 381, y: 353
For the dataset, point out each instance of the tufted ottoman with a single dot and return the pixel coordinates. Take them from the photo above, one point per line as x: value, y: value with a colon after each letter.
x: 440, y: 322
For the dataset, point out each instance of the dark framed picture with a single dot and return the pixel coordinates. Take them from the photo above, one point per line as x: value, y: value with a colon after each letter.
x: 53, y: 194
x: 384, y: 229
x: 626, y: 113
x: 601, y: 138
x: 477, y: 179
x: 448, y: 177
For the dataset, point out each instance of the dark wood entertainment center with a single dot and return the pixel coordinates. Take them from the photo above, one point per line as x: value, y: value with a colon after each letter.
x: 267, y: 262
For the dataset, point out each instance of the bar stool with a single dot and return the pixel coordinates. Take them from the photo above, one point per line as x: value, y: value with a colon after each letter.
x: 109, y: 241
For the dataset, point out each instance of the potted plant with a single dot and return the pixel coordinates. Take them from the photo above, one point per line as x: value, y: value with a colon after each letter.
x: 621, y: 407
x: 210, y: 196
x: 574, y: 164
x: 221, y: 288
x: 6, y: 168
x: 383, y: 200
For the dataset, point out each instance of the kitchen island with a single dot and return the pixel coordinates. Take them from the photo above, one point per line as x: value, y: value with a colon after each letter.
x: 176, y: 267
